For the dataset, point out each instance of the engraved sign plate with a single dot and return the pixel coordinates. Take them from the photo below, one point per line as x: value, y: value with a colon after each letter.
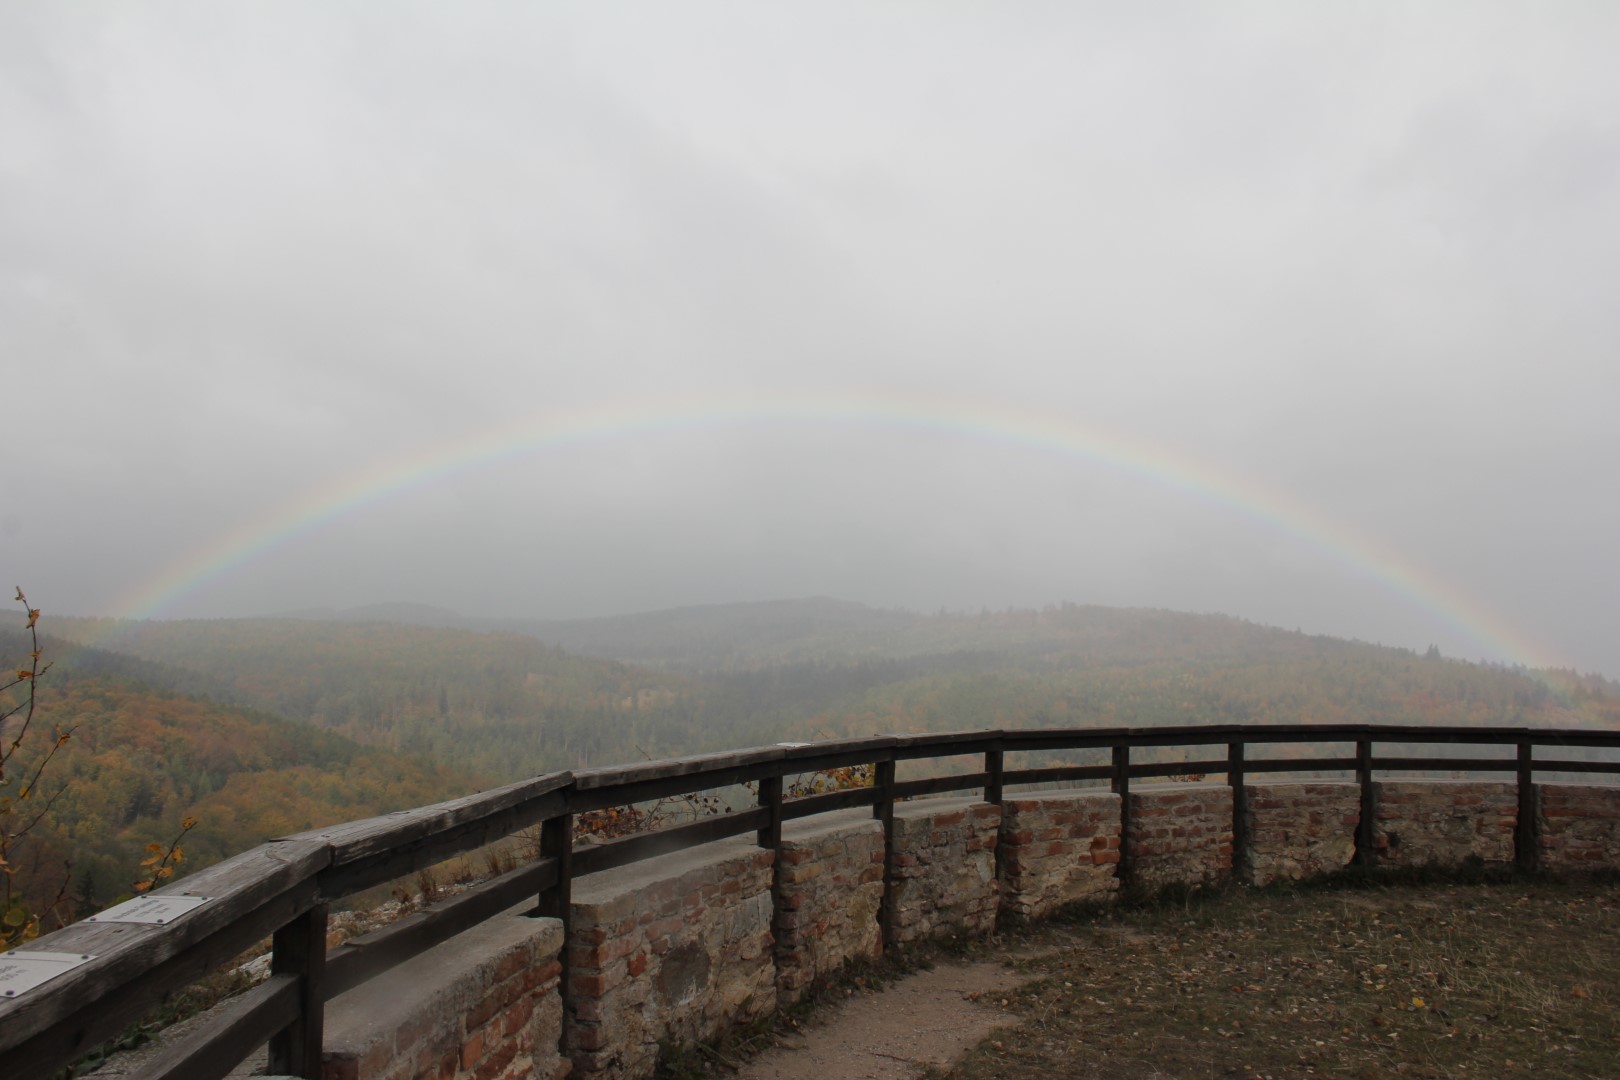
x: 153, y: 910
x: 23, y: 969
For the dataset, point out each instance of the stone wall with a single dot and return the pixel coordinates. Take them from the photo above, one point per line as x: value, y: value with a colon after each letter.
x: 483, y: 1005
x: 1444, y: 822
x: 1057, y: 848
x: 1298, y: 830
x: 1180, y: 834
x: 675, y: 949
x: 943, y: 869
x: 1578, y: 826
x: 679, y: 948
x: 829, y: 890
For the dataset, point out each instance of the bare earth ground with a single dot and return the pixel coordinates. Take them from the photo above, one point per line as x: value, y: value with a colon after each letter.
x: 928, y: 1018
x: 1412, y: 981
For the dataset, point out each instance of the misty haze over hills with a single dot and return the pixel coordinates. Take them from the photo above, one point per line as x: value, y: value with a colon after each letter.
x: 263, y: 727
x: 722, y: 635
x: 1297, y: 312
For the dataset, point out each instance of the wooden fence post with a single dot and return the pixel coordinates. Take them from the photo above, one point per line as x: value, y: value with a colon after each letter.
x: 1524, y: 835
x: 770, y: 798
x: 557, y: 842
x: 299, y: 948
x: 994, y: 767
x: 1121, y: 783
x: 1366, y: 854
x: 1240, y: 808
x: 883, y: 810
x: 556, y: 902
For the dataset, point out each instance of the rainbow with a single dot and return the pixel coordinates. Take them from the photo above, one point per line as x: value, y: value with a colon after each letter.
x: 1274, y: 510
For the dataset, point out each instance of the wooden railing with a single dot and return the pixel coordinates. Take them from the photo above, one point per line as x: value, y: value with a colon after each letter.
x: 283, y: 889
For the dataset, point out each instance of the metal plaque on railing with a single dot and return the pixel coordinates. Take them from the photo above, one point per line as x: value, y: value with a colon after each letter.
x: 151, y: 910
x: 23, y: 969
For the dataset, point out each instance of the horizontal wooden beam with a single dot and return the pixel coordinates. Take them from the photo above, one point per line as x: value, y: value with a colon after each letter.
x: 809, y: 805
x: 651, y: 790
x: 591, y: 859
x: 215, y: 1050
x: 840, y: 759
x: 1576, y: 766
x: 370, y: 955
x: 694, y: 765
x: 423, y: 851
x: 1057, y: 774
x: 1344, y: 764
x: 136, y: 966
x: 1179, y: 768
x: 355, y: 841
x: 1441, y: 764
x: 945, y: 744
x: 910, y: 789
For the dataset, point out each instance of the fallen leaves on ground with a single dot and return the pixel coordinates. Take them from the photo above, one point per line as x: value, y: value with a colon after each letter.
x: 1413, y: 981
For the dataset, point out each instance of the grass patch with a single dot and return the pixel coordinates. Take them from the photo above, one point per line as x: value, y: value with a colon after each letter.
x: 1421, y: 979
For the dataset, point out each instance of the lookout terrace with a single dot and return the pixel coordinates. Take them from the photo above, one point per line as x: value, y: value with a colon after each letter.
x: 587, y: 960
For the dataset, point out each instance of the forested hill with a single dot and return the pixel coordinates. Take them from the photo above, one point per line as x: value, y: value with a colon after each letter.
x: 265, y: 726
x: 730, y: 637
x: 507, y: 704
x: 496, y: 704
x: 141, y: 758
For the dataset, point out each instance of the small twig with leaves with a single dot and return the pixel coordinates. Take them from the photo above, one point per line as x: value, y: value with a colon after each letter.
x: 27, y: 677
x: 18, y: 921
x: 160, y: 863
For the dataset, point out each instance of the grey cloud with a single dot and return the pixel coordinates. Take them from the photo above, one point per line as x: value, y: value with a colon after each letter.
x: 1361, y: 257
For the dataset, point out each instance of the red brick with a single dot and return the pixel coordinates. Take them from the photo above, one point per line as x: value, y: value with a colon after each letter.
x: 517, y: 1016
x: 498, y: 1060
x: 340, y: 1069
x: 588, y: 985
x: 472, y: 1050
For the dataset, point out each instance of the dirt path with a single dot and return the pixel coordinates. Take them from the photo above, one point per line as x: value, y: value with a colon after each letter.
x: 930, y: 1018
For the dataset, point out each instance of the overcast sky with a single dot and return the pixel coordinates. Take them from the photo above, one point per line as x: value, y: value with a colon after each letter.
x: 861, y: 295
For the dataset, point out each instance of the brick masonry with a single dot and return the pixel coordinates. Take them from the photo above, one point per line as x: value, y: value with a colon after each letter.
x: 1057, y: 848
x: 943, y: 869
x: 1180, y: 834
x: 1444, y: 822
x: 681, y: 947
x: 1578, y: 826
x: 483, y: 1006
x: 829, y: 890
x: 675, y: 949
x: 1298, y: 830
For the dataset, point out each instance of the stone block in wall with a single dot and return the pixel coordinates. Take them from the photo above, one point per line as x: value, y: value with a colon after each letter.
x: 943, y: 869
x: 673, y: 949
x: 1180, y: 834
x: 1578, y: 826
x: 829, y: 891
x: 482, y: 1005
x: 1444, y: 822
x: 1298, y: 830
x: 1057, y: 848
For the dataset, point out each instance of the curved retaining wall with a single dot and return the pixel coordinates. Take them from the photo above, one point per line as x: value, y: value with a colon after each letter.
x: 683, y: 947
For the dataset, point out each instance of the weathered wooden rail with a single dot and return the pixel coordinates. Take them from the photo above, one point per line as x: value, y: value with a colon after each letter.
x: 283, y: 889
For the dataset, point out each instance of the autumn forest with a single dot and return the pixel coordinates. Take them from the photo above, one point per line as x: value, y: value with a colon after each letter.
x: 256, y: 728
